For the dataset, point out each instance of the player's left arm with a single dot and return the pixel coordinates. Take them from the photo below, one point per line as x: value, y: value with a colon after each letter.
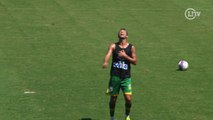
x: 132, y: 59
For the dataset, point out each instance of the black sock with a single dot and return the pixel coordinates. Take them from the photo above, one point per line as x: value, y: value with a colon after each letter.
x: 112, y: 109
x: 128, y: 107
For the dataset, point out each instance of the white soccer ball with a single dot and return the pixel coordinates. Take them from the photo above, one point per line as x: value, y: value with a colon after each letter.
x: 183, y: 65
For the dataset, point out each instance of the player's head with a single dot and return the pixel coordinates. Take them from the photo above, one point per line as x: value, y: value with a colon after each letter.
x: 122, y: 33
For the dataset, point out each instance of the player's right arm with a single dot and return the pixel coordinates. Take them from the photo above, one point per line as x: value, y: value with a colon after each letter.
x: 108, y: 54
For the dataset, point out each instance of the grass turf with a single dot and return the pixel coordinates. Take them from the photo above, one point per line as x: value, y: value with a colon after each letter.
x: 56, y: 48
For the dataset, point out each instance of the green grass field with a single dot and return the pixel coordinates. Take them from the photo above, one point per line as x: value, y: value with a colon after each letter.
x: 55, y: 48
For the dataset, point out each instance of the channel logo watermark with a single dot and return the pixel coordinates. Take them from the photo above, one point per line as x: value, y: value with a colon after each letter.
x: 191, y: 13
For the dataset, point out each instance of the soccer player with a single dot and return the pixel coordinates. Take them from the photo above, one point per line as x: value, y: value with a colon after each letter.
x: 123, y: 54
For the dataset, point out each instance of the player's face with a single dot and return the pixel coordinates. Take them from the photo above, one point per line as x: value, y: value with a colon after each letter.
x: 122, y: 34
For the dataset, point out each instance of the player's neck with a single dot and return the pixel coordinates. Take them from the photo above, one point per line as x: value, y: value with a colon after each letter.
x: 123, y: 42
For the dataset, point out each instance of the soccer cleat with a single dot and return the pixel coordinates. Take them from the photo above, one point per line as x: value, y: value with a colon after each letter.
x: 112, y: 118
x: 127, y: 118
x: 108, y: 92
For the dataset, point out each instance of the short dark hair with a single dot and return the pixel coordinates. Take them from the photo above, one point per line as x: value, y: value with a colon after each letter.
x: 123, y: 29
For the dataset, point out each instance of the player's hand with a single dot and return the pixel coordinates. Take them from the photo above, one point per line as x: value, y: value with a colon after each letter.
x: 122, y: 54
x: 105, y: 65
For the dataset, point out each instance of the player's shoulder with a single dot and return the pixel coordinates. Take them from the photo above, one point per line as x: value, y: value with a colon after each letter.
x: 112, y: 45
x: 131, y: 45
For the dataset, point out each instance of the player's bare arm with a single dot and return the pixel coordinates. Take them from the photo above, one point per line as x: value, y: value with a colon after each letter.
x: 132, y: 59
x: 108, y: 54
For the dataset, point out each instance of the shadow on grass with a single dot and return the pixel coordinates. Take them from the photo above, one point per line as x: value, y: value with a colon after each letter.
x: 86, y: 119
x: 180, y: 70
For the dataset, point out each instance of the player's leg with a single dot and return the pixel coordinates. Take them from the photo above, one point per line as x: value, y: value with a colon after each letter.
x: 128, y: 104
x: 113, y: 91
x: 112, y: 104
x: 127, y: 90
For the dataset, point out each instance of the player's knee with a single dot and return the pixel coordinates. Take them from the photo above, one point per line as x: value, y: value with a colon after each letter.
x: 113, y: 98
x: 112, y: 101
x: 128, y: 99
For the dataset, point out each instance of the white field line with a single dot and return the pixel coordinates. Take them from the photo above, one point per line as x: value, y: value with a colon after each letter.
x: 29, y: 92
